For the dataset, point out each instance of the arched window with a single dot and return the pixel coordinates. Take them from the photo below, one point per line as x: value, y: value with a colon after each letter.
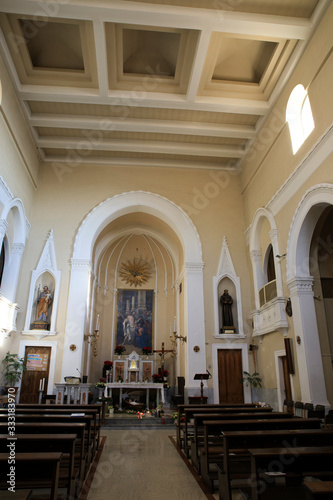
x: 299, y: 117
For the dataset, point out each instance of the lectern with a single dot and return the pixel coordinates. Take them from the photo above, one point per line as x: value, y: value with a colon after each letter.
x: 202, y: 377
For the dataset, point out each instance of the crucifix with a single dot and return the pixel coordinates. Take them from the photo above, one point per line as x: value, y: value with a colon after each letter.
x: 162, y: 352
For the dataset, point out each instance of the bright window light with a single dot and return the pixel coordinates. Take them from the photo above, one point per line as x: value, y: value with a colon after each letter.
x: 299, y: 117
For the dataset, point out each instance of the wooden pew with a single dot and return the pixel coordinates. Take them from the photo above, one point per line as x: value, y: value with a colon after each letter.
x: 213, y: 438
x: 236, y: 462
x: 81, y: 455
x: 199, y: 418
x: 64, y: 443
x: 181, y: 415
x: 319, y: 490
x: 54, y: 410
x: 34, y: 470
x: 289, y: 463
x: 190, y: 410
x: 73, y: 408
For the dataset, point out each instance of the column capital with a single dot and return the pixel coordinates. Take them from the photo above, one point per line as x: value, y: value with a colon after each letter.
x: 194, y: 267
x: 81, y: 264
x: 300, y: 285
x: 18, y: 248
x: 255, y: 255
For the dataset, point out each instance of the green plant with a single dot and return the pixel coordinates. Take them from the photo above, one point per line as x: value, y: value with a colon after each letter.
x: 253, y: 380
x: 14, y: 367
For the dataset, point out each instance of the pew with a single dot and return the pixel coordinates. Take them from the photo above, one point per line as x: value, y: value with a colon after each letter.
x: 81, y: 455
x: 318, y: 490
x: 289, y: 464
x: 54, y: 410
x: 213, y: 438
x: 64, y: 443
x: 189, y: 411
x: 80, y: 418
x: 235, y: 460
x: 181, y: 415
x: 199, y: 418
x: 34, y: 470
x: 78, y: 408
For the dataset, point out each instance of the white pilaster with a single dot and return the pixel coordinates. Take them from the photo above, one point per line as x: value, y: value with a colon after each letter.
x: 255, y: 256
x: 308, y: 351
x: 76, y: 322
x: 3, y: 230
x: 196, y: 361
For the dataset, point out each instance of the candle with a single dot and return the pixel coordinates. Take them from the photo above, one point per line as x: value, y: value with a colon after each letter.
x: 97, y: 322
x: 174, y: 324
x: 170, y: 331
x: 40, y: 384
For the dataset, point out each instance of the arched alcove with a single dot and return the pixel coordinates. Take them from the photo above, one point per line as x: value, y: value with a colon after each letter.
x: 88, y: 244
x: 269, y: 314
x: 300, y: 282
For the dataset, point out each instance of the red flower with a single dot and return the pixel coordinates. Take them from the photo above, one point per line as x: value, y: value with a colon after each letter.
x: 165, y: 373
x: 102, y: 380
x: 108, y: 364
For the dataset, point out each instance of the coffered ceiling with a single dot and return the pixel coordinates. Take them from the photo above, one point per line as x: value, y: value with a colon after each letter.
x: 178, y: 83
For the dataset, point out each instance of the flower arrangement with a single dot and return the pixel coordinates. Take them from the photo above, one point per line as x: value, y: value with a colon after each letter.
x: 146, y: 350
x: 101, y: 384
x: 157, y: 378
x: 119, y: 349
x: 165, y: 373
x: 108, y: 365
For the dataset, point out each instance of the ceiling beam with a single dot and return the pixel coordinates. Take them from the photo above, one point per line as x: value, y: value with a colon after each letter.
x: 165, y: 16
x: 139, y: 125
x: 84, y: 144
x: 57, y: 161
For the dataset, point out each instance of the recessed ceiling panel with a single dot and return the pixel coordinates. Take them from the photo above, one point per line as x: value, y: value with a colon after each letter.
x: 53, y: 45
x: 243, y: 60
x: 153, y: 52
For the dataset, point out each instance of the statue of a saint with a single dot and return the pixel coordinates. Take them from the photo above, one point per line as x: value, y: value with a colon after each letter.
x: 226, y: 303
x: 44, y: 301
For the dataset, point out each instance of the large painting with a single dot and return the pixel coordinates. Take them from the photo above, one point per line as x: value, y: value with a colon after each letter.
x: 135, y: 319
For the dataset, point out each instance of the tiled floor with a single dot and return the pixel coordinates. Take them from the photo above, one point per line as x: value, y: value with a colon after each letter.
x: 142, y: 465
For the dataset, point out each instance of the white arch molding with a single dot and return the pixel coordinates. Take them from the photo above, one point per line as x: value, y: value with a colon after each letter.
x: 271, y: 317
x: 81, y: 269
x: 299, y: 281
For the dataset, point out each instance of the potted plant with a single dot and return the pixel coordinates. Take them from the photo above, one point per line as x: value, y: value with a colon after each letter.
x: 157, y: 378
x: 146, y: 350
x: 254, y: 381
x: 119, y: 349
x: 14, y: 367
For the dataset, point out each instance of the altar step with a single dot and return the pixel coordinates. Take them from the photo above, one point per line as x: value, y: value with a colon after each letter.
x: 133, y: 422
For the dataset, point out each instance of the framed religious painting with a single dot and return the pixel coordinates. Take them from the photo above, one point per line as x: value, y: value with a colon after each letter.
x: 135, y: 320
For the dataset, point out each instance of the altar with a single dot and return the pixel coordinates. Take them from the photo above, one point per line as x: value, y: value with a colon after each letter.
x: 75, y: 393
x: 147, y: 386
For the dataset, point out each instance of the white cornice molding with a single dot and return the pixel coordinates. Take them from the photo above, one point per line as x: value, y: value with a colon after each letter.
x: 313, y: 159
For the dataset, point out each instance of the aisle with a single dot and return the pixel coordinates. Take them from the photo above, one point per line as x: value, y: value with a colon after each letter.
x: 142, y: 465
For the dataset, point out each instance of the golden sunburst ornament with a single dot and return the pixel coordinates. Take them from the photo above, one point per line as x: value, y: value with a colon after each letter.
x: 135, y: 272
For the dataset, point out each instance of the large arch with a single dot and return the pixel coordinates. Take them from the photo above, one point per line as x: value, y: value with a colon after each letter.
x: 81, y: 269
x: 300, y: 284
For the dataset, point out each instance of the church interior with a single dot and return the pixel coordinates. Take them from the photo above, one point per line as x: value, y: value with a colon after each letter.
x: 166, y: 201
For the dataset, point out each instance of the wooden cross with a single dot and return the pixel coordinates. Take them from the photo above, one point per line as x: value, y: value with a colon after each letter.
x: 162, y: 352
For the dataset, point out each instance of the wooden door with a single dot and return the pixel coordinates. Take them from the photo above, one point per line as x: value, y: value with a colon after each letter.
x: 37, y: 360
x: 286, y: 379
x: 230, y: 376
